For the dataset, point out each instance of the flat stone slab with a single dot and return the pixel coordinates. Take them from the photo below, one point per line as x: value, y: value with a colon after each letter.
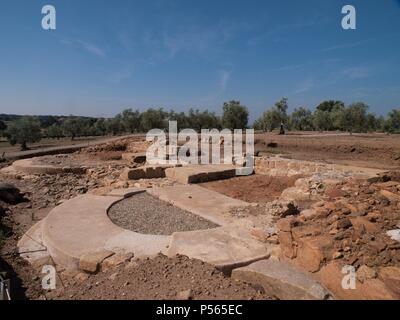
x: 224, y: 247
x: 10, y: 171
x: 142, y: 245
x: 145, y: 172
x: 282, y: 280
x: 132, y: 157
x: 31, y: 246
x: 200, y: 173
x: 394, y: 234
x: 206, y: 203
x: 30, y: 166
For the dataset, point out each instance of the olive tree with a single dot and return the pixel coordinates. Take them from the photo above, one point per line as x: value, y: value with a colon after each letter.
x: 23, y: 131
x: 235, y: 115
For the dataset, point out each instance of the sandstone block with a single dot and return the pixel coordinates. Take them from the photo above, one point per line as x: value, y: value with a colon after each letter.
x: 390, y: 195
x: 281, y: 280
x: 331, y: 277
x: 287, y: 246
x: 90, y: 262
x: 391, y: 278
x: 361, y: 225
x: 364, y: 273
x: 115, y: 260
x: 312, y: 252
x: 286, y: 224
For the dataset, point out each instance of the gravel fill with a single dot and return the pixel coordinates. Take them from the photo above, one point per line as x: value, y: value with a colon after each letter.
x: 146, y: 214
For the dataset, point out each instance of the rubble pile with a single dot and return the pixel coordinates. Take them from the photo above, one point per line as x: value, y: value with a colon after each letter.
x: 52, y: 189
x: 356, y: 223
x: 137, y: 146
x: 106, y: 151
x: 116, y: 149
x: 118, y: 145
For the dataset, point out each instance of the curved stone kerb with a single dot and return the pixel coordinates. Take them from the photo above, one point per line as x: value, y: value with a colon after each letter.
x: 81, y: 226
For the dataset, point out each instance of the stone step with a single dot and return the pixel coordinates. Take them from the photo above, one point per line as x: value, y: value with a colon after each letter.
x: 145, y: 172
x: 282, y: 281
x: 225, y: 247
x: 200, y: 173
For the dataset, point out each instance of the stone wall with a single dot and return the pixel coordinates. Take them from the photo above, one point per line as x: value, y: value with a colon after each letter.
x: 276, y: 166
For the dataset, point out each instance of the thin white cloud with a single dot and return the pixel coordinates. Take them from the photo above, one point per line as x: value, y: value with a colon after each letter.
x: 224, y: 79
x: 206, y: 42
x: 194, y: 41
x: 276, y: 30
x: 84, y: 45
x: 91, y: 48
x: 305, y: 86
x: 121, y: 75
x: 291, y: 67
x: 126, y: 41
x: 355, y: 73
x: 346, y: 45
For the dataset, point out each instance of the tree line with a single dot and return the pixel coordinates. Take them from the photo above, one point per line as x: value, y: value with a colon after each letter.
x: 328, y: 115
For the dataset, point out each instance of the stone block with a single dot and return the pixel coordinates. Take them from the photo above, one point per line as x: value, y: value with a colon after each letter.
x: 361, y: 225
x: 115, y: 260
x: 331, y: 277
x: 312, y: 252
x: 287, y: 246
x: 134, y: 157
x: 281, y: 280
x: 391, y: 278
x: 90, y: 262
x: 390, y: 195
x: 286, y: 224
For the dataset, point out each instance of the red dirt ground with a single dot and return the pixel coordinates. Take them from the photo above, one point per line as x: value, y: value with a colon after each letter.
x: 370, y: 150
x: 160, y: 278
x: 255, y: 188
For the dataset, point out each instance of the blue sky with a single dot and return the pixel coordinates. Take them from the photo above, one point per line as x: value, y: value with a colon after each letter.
x: 105, y: 56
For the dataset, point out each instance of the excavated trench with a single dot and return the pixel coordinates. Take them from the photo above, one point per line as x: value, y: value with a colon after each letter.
x: 254, y: 188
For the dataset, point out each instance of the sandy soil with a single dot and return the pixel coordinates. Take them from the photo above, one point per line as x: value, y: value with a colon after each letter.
x: 370, y: 150
x: 159, y: 278
x: 256, y: 188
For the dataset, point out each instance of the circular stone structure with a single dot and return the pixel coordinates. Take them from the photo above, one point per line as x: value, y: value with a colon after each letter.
x: 38, y: 166
x: 146, y: 214
x: 81, y: 227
